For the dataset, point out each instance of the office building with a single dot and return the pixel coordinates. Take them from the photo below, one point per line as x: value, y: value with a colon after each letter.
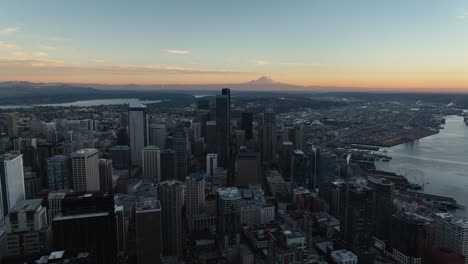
x: 87, y: 222
x: 228, y: 217
x: 85, y: 170
x: 223, y: 127
x: 170, y: 195
x: 210, y: 137
x: 343, y: 256
x: 148, y: 232
x: 27, y: 228
x: 247, y: 125
x: 410, y: 235
x: 151, y: 163
x: 203, y: 104
x: 121, y: 225
x: 287, y: 150
x: 59, y: 172
x: 181, y: 149
x: 383, y: 206
x: 12, y: 126
x: 298, y: 168
x: 158, y: 135
x: 248, y: 168
x: 137, y: 128
x: 12, y: 188
x: 267, y: 136
x: 211, y: 163
x: 105, y: 175
x: 168, y: 165
x: 120, y: 156
x: 195, y: 193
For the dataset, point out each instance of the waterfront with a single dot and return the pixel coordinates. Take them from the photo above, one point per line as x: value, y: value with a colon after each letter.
x: 86, y: 103
x: 438, y: 162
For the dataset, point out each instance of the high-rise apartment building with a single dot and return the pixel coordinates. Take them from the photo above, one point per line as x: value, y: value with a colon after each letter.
x: 356, y: 217
x: 410, y: 236
x: 383, y: 206
x: 452, y: 233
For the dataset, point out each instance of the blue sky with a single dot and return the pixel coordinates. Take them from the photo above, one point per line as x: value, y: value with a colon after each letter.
x: 406, y: 44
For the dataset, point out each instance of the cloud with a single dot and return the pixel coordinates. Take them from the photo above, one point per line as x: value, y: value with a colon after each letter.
x: 57, y: 67
x: 7, y: 46
x: 172, y: 51
x: 49, y: 48
x: 25, y: 54
x: 262, y: 62
x: 300, y: 64
x: 9, y: 30
x: 462, y: 15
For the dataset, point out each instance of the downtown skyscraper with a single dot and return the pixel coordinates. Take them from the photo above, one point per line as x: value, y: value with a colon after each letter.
x: 267, y: 136
x: 137, y: 128
x: 181, y: 149
x: 223, y: 126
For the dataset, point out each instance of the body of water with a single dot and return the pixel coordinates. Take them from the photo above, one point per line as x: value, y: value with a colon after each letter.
x: 88, y: 103
x: 438, y: 162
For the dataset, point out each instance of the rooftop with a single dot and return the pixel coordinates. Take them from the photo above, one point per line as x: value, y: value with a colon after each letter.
x: 10, y: 156
x: 198, y: 176
x: 85, y: 152
x: 151, y: 147
x: 58, y: 158
x: 26, y: 205
x: 148, y: 205
x: 228, y: 193
x: 80, y: 216
x: 135, y: 106
x: 343, y: 256
x: 120, y: 147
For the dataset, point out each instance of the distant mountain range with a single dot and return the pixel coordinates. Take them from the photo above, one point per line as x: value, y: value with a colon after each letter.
x: 22, y: 93
x: 264, y: 83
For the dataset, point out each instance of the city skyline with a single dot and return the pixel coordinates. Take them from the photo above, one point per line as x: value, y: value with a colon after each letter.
x: 398, y: 45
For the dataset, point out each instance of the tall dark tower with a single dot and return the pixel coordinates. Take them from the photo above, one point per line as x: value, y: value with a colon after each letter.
x: 246, y: 125
x: 356, y: 216
x: 138, y: 123
x: 383, y: 206
x: 267, y: 135
x: 223, y: 126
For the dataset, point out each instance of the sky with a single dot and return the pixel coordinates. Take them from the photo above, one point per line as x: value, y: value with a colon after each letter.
x: 381, y: 44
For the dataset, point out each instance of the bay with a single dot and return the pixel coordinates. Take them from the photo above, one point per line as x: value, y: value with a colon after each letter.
x: 438, y: 162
